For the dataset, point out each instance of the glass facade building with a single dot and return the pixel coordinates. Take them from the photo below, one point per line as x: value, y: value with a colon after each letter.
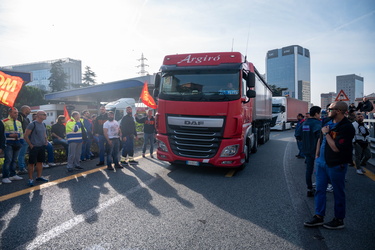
x: 289, y: 67
x: 41, y: 72
x: 352, y: 85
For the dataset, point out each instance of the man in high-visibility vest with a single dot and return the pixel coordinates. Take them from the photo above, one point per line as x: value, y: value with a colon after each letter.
x: 74, y: 138
x: 14, y: 140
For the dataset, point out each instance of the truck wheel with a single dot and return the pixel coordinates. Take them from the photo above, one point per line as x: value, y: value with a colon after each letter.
x: 254, y: 149
x: 262, y: 140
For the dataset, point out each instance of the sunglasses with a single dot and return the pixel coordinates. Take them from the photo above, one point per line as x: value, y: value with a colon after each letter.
x: 329, y: 110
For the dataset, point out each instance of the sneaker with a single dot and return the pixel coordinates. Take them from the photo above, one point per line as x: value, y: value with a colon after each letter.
x: 100, y: 164
x: 110, y: 168
x: 334, y: 224
x: 133, y: 162
x: 143, y: 155
x: 119, y: 166
x: 314, y: 184
x: 52, y: 164
x: 70, y: 170
x: 45, y: 165
x: 359, y: 171
x: 6, y: 180
x: 41, y: 179
x: 79, y: 167
x: 316, y: 221
x: 22, y: 171
x: 330, y: 188
x: 151, y: 156
x: 15, y: 178
x: 310, y: 193
x: 30, y: 183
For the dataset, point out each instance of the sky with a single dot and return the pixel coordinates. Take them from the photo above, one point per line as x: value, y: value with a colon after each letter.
x: 110, y: 36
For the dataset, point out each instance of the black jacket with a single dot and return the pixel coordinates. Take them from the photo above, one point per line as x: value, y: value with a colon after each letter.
x: 365, y: 106
x: 342, y: 134
x: 149, y: 125
x: 127, y: 126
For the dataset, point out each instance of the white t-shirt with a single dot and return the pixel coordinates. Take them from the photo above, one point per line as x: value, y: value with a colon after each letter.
x: 113, y: 129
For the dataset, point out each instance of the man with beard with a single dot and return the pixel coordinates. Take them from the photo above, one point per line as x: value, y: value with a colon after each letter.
x: 129, y: 132
x: 334, y: 152
x: 99, y: 134
x: 112, y: 134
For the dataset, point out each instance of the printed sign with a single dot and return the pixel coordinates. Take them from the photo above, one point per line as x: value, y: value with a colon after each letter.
x: 10, y: 86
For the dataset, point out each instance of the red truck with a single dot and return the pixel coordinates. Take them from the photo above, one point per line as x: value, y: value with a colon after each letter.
x: 213, y: 109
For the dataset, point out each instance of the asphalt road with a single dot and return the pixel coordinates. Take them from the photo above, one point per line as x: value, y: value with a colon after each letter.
x: 158, y: 206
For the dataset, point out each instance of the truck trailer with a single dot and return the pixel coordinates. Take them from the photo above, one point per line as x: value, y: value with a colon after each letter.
x: 285, y: 111
x: 213, y: 109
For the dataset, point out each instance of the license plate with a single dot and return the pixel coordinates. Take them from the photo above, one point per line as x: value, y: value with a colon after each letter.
x: 192, y: 163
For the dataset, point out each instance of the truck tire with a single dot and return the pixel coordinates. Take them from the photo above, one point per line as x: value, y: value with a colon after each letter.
x: 262, y: 138
x: 254, y: 149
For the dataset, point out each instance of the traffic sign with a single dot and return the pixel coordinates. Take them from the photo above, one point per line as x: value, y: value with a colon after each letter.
x: 342, y: 97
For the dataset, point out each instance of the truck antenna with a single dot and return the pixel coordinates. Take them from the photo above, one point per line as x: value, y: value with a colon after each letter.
x: 232, y: 44
x: 247, y: 42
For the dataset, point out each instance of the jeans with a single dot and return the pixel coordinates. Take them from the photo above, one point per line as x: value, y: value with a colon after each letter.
x: 86, y: 153
x: 309, y: 160
x: 62, y: 142
x: 100, y: 139
x: 51, y: 157
x: 112, y: 152
x: 21, y: 156
x: 299, y: 145
x: 11, y: 154
x: 148, y: 138
x: 336, y: 175
x: 128, y: 146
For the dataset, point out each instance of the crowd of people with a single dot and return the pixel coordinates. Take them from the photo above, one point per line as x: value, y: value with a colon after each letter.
x: 19, y: 135
x: 327, y: 144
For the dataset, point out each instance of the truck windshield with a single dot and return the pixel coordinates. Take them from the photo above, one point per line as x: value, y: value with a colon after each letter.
x: 276, y: 109
x: 200, y: 86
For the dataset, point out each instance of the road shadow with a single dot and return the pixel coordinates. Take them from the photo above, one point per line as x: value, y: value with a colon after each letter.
x: 130, y: 187
x: 160, y: 186
x: 23, y: 226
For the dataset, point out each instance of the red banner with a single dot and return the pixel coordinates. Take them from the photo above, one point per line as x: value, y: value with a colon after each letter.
x: 147, y: 98
x: 10, y: 86
x: 66, y: 114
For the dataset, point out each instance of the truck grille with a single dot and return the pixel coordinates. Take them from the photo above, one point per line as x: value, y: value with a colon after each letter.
x: 195, y: 142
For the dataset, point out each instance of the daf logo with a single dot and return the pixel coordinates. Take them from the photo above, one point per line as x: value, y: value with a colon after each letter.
x: 194, y: 123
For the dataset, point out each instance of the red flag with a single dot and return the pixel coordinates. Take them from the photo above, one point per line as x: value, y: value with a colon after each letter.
x: 147, y: 98
x: 10, y: 86
x: 66, y: 114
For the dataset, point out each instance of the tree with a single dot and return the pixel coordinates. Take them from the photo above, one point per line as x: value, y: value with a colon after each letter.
x: 30, y: 96
x: 58, y: 78
x: 88, y: 77
x: 277, y: 91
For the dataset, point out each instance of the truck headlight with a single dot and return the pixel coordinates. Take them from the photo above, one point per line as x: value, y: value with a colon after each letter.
x: 162, y: 146
x: 229, y: 151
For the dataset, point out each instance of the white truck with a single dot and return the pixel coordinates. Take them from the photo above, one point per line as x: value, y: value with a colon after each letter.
x: 119, y: 107
x: 285, y: 111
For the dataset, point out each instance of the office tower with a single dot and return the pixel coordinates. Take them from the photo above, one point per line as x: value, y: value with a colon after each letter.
x: 352, y: 85
x: 327, y: 98
x: 289, y: 68
x: 41, y: 72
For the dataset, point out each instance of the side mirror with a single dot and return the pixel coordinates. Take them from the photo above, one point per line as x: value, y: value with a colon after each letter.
x: 282, y: 108
x: 251, y: 80
x: 157, y: 80
x: 251, y: 93
x: 155, y: 93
